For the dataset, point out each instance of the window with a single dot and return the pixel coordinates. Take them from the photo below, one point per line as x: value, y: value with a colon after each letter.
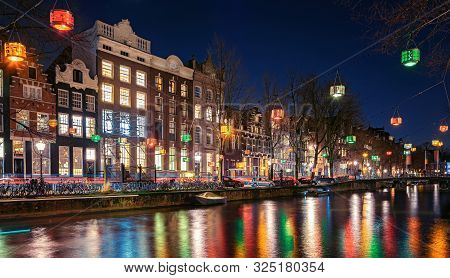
x: 63, y: 98
x: 172, y: 87
x: 77, y: 161
x: 124, y: 74
x: 198, y: 111
x: 42, y: 122
x: 159, y: 129
x: 1, y: 82
x: 90, y: 103
x: 124, y: 97
x: 172, y: 135
x: 107, y: 47
x: 183, y: 129
x: 172, y: 159
x: 209, y: 96
x: 158, y: 157
x: 90, y: 127
x: 184, y: 109
x: 36, y: 159
x: 208, y: 114
x: 140, y: 126
x: 23, y: 119
x: 209, y: 136
x: 158, y: 104
x: 63, y: 124
x: 63, y: 161
x: 32, y: 73
x: 184, y: 90
x: 140, y: 100
x: 77, y: 76
x: 197, y: 135
x: 158, y: 83
x: 123, y: 53
x: 141, y: 78
x: 90, y: 154
x: 140, y: 59
x: 107, y: 93
x: 125, y: 153
x: 184, y: 160
x: 141, y: 155
x: 77, y: 123
x: 32, y: 92
x: 172, y: 107
x: 198, y: 91
x: 107, y: 121
x: 77, y: 101
x: 107, y: 69
x: 124, y: 123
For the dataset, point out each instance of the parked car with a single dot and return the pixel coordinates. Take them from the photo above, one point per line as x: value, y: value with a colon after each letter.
x: 286, y: 182
x: 229, y: 182
x: 322, y: 180
x: 304, y: 181
x: 255, y: 182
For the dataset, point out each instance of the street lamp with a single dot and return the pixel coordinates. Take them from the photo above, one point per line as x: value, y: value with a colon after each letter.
x: 40, y: 147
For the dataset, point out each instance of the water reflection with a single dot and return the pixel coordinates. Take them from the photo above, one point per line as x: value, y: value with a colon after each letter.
x: 390, y: 223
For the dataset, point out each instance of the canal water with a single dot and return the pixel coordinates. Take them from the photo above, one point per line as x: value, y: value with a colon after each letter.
x: 412, y: 222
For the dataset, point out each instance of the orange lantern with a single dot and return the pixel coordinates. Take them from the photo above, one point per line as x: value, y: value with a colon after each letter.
x: 61, y: 20
x: 72, y: 130
x: 247, y: 152
x: 52, y: 123
x: 15, y: 51
x: 396, y: 120
x: 151, y: 142
x: 388, y: 153
x: 277, y: 114
x: 443, y: 127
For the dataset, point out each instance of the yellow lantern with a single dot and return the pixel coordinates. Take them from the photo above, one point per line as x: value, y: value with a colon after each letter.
x: 52, y: 123
x: 437, y: 143
x: 162, y: 151
x: 15, y: 52
x: 225, y: 130
x: 365, y: 155
x: 247, y: 152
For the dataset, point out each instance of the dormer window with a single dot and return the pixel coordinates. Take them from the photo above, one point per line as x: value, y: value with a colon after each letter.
x: 32, y: 73
x: 77, y: 76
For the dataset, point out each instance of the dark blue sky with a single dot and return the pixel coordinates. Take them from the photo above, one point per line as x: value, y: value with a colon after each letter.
x: 276, y: 37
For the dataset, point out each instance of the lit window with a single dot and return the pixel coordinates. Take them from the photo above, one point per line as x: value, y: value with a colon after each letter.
x: 107, y: 121
x: 184, y: 109
x: 141, y: 156
x: 184, y: 160
x: 63, y: 124
x: 90, y: 127
x: 198, y: 91
x: 107, y: 69
x: 107, y: 92
x: 1, y: 82
x: 209, y: 96
x: 42, y: 122
x: 23, y: 119
x: 32, y: 92
x: 172, y: 107
x: 172, y: 134
x: 77, y: 101
x: 77, y: 123
x: 140, y: 126
x: 90, y: 154
x: 208, y: 114
x: 77, y: 161
x: 124, y: 97
x: 158, y: 158
x: 172, y: 87
x: 198, y: 111
x: 140, y: 100
x: 141, y: 78
x: 184, y: 90
x: 63, y: 98
x: 158, y: 83
x: 172, y: 159
x: 124, y: 123
x: 158, y: 104
x: 209, y: 136
x: 197, y: 135
x: 124, y: 75
x: 90, y: 103
x: 36, y: 159
x: 125, y: 153
x: 63, y: 160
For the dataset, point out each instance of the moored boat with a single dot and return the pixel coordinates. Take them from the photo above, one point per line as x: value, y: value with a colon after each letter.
x: 320, y: 191
x: 209, y: 198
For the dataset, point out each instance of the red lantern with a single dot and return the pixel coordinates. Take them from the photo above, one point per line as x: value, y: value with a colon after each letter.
x: 388, y: 153
x: 277, y: 114
x: 61, y: 20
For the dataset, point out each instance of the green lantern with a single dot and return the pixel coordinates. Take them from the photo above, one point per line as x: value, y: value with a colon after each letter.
x: 374, y: 157
x: 410, y: 57
x: 350, y: 139
x: 186, y: 138
x: 283, y: 161
x: 185, y: 159
x: 324, y: 155
x: 96, y: 138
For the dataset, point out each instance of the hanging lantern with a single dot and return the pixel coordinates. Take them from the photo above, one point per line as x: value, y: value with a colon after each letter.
x: 96, y: 138
x: 72, y: 130
x: 413, y: 149
x: 337, y: 91
x: 61, y: 20
x: 365, y: 155
x: 225, y: 130
x: 396, y: 120
x: 443, y: 127
x: 151, y: 142
x: 185, y: 159
x: 240, y: 165
x: 52, y: 123
x: 436, y: 143
x: 247, y: 152
x: 350, y: 139
x: 389, y: 153
x: 277, y: 114
x: 324, y: 155
x: 410, y: 57
x: 375, y: 157
x: 162, y: 151
x: 15, y: 52
x: 186, y: 138
x: 407, y: 146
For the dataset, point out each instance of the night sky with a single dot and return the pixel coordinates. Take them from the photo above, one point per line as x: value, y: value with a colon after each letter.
x: 276, y: 37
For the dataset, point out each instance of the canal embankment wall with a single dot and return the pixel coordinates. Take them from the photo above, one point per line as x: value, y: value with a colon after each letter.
x: 41, y: 207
